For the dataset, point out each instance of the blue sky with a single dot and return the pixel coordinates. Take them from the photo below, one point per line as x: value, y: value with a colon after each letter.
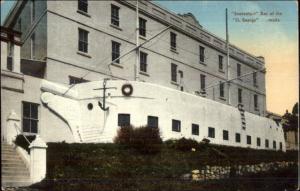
x: 276, y: 41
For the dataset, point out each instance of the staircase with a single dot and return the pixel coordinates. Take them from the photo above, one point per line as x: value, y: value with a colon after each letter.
x: 14, y: 170
x: 91, y: 134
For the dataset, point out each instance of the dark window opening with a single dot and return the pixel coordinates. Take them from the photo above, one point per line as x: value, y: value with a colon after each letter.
x: 30, y: 117
x: 152, y: 122
x: 83, y: 5
x: 174, y: 72
x: 258, y: 141
x: 33, y: 48
x: 32, y: 10
x: 83, y: 40
x: 211, y: 132
x: 280, y: 146
x: 274, y: 144
x: 176, y: 125
x: 220, y: 62
x: 115, y: 52
x: 225, y: 135
x: 75, y: 80
x: 173, y: 40
x: 123, y: 120
x: 202, y: 82
x: 267, y: 143
x: 255, y: 79
x: 248, y: 139
x: 143, y: 62
x: 238, y: 70
x: 201, y: 54
x: 142, y: 27
x: 221, y: 89
x: 195, y: 129
x: 237, y: 137
x: 115, y: 15
x: 255, y: 101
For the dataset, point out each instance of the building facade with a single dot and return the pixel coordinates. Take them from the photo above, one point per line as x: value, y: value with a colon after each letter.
x: 75, y: 41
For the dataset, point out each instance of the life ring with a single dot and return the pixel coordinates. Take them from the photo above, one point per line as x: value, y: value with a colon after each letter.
x: 127, y: 89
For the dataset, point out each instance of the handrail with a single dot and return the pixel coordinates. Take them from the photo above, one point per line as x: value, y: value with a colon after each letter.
x: 17, y: 128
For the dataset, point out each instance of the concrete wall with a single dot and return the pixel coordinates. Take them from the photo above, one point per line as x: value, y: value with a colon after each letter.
x: 63, y: 22
x: 50, y: 127
x: 167, y: 104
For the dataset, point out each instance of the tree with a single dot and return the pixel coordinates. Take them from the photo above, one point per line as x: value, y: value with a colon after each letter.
x: 290, y: 120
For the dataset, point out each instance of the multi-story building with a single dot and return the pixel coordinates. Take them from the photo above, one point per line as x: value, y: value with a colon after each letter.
x: 75, y: 41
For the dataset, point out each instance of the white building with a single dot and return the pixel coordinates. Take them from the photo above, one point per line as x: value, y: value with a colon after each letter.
x: 69, y: 42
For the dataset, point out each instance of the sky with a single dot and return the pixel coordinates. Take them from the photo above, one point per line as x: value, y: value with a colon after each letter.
x: 262, y: 28
x: 272, y: 33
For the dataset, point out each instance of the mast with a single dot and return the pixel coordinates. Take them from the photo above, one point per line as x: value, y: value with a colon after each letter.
x: 228, y: 64
x: 136, y: 69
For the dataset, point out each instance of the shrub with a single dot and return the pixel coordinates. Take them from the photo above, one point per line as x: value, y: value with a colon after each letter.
x: 22, y: 142
x: 145, y: 140
x: 184, y: 144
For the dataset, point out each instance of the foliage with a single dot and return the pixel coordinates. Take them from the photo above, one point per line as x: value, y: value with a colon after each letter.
x: 184, y: 144
x: 291, y: 119
x: 22, y: 142
x: 112, y: 167
x: 146, y: 140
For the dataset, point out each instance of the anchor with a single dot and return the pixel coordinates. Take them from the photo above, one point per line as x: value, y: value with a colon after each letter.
x: 102, y: 106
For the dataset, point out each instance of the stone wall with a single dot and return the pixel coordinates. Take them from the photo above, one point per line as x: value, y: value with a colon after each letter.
x: 221, y: 172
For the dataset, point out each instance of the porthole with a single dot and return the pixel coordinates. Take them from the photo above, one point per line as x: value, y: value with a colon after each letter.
x: 90, y: 106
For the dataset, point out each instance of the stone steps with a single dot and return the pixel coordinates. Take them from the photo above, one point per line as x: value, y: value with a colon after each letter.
x: 14, y: 170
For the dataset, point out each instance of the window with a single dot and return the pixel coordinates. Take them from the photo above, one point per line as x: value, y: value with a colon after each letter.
x: 83, y: 5
x: 237, y: 137
x: 173, y: 40
x: 240, y: 100
x: 221, y: 89
x: 238, y: 70
x: 32, y: 10
x: 123, y: 120
x: 202, y: 82
x: 30, y: 117
x: 274, y: 144
x: 225, y: 135
x: 195, y: 129
x: 211, y: 132
x: 152, y: 121
x: 143, y: 62
x: 174, y: 72
x: 255, y: 102
x: 220, y: 63
x: 248, y: 139
x: 115, y: 51
x: 267, y: 143
x: 115, y: 15
x: 142, y: 27
x: 74, y: 80
x: 280, y: 145
x: 83, y: 40
x: 32, y: 44
x: 176, y: 126
x: 258, y: 141
x: 201, y: 53
x: 254, y: 79
x: 10, y: 55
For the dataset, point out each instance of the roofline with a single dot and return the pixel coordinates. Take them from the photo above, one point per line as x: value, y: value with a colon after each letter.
x: 16, y: 9
x: 206, y: 31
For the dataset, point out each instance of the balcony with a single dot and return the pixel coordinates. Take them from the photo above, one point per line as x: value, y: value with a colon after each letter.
x: 35, y: 68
